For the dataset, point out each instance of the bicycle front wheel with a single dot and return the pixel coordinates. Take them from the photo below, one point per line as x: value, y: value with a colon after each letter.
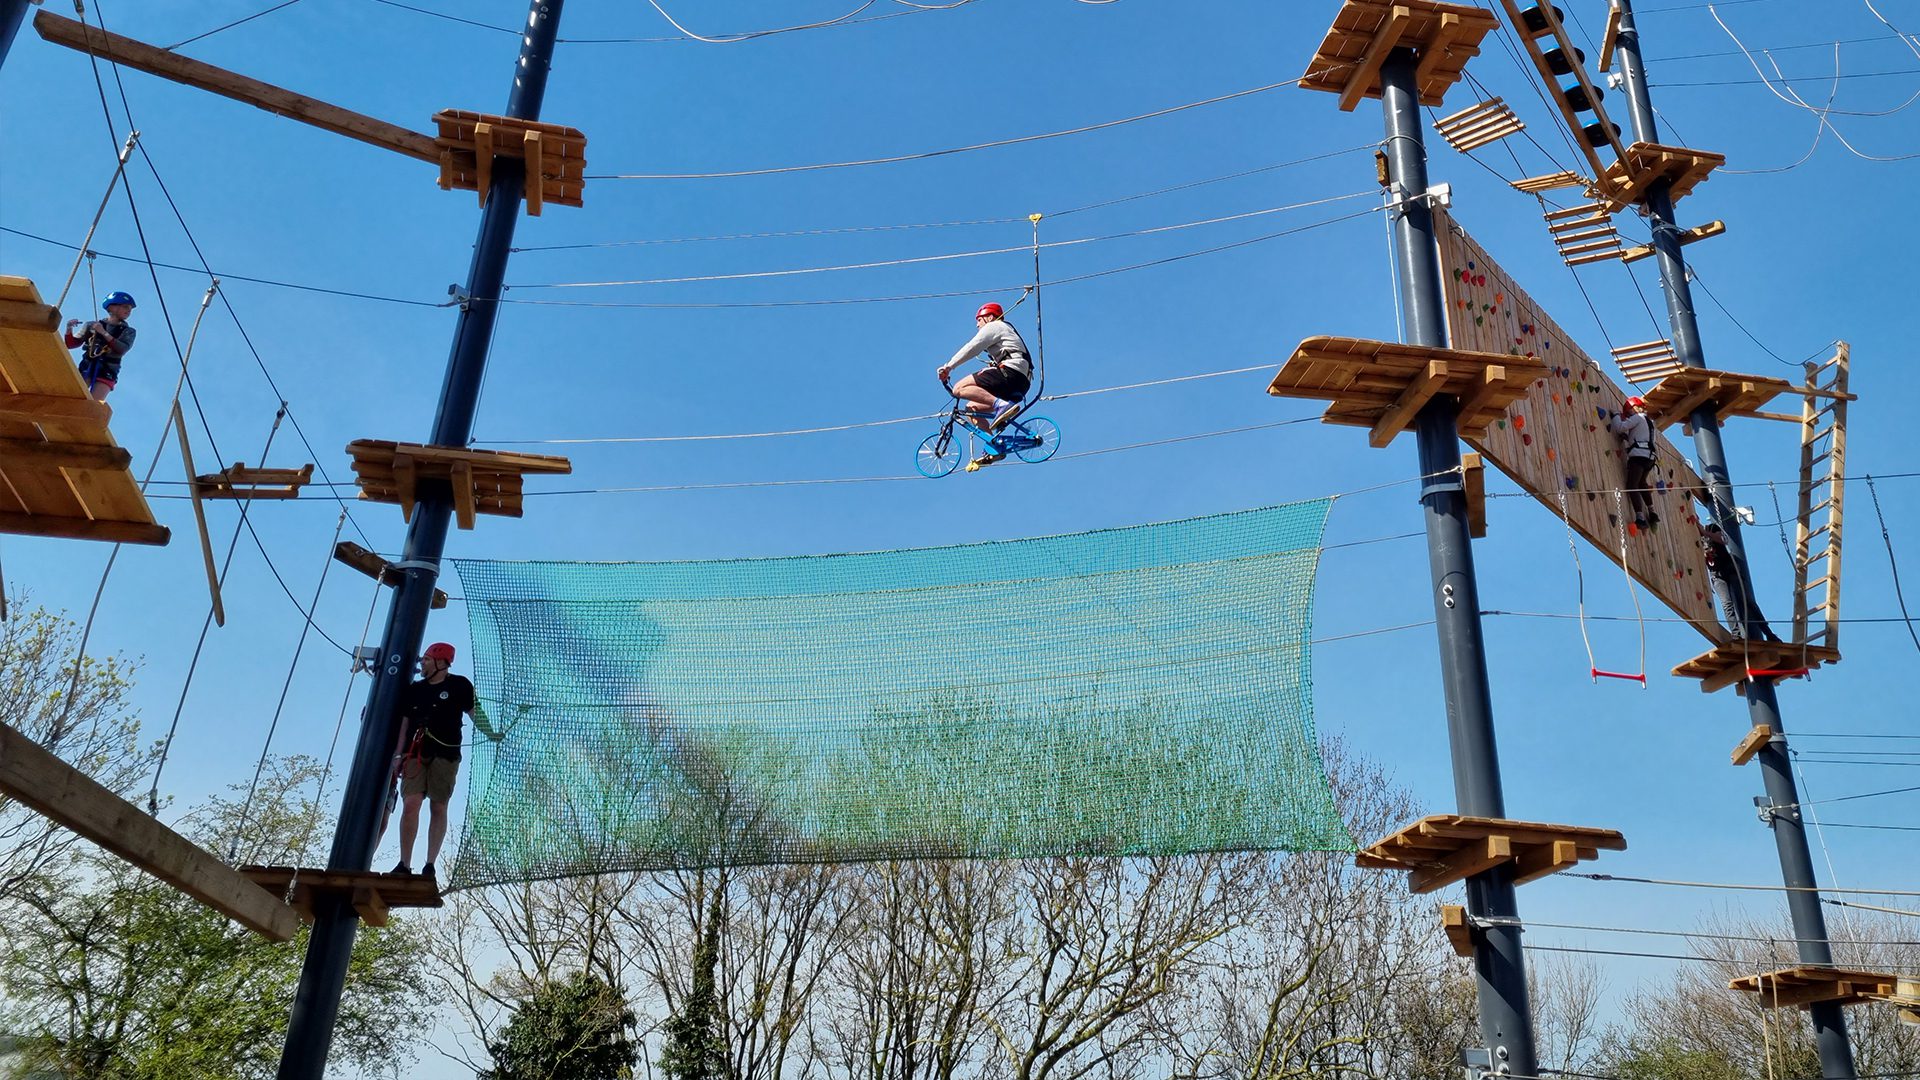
x: 939, y: 455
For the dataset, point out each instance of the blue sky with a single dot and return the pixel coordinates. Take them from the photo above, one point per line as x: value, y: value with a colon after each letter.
x: 1816, y: 252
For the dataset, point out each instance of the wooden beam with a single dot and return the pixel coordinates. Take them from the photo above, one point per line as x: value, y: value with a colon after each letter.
x: 1361, y: 78
x: 27, y: 315
x: 1473, y: 477
x: 1473, y: 859
x: 180, y: 69
x: 33, y: 408
x: 1546, y: 859
x: 1435, y: 50
x: 1418, y: 392
x: 1453, y: 922
x: 371, y: 907
x: 1493, y: 378
x: 532, y: 151
x: 33, y: 454
x: 74, y: 800
x: 483, y: 160
x: 1759, y: 737
x: 1610, y: 39
x: 200, y: 518
x: 461, y: 477
x: 403, y: 479
x: 1682, y: 410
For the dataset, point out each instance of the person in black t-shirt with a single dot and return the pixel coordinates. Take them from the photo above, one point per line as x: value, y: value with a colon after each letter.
x: 430, y: 737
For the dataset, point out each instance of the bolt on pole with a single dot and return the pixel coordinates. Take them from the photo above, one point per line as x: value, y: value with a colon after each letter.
x: 335, y: 923
x: 1506, y: 1019
x: 1782, y: 804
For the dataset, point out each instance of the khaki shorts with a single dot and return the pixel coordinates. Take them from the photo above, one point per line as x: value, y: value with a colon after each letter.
x: 433, y: 776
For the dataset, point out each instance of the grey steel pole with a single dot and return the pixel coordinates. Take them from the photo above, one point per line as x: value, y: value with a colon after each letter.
x: 1781, y: 810
x: 12, y: 14
x: 317, y: 1001
x: 1506, y: 1019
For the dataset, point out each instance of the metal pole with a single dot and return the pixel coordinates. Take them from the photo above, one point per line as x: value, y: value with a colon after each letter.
x: 12, y: 14
x: 1781, y: 807
x: 317, y: 1001
x: 1506, y: 1020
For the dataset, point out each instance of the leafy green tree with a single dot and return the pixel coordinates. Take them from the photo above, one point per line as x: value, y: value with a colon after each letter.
x: 116, y: 976
x: 694, y: 1048
x: 579, y: 1028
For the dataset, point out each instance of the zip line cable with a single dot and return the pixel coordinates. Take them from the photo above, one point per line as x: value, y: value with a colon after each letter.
x: 945, y: 257
x: 1626, y: 879
x: 1892, y: 563
x: 228, y: 26
x: 778, y: 234
x: 927, y: 154
x: 246, y: 805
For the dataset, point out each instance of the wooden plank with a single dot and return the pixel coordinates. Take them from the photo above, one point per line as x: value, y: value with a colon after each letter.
x: 1473, y: 477
x: 200, y: 518
x: 1434, y: 49
x: 1410, y: 402
x: 1364, y: 73
x: 404, y: 485
x: 1492, y: 379
x: 28, y: 454
x: 29, y: 315
x: 532, y: 149
x: 74, y: 800
x: 1610, y: 38
x: 1453, y: 923
x: 461, y: 478
x: 73, y: 528
x: 1756, y: 739
x: 274, y: 99
x: 1538, y: 862
x: 33, y: 408
x: 1463, y: 864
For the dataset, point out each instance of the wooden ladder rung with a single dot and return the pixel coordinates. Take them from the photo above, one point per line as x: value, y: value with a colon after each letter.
x: 1573, y: 211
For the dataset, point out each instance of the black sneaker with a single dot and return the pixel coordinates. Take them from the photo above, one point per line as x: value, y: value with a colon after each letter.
x: 401, y: 868
x: 427, y: 870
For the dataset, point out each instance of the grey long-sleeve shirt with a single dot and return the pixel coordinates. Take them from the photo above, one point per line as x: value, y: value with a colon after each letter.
x: 1637, y: 430
x: 1002, y: 345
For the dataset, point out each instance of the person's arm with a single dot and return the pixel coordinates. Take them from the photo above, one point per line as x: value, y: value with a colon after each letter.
x: 971, y: 349
x: 482, y: 725
x: 118, y: 346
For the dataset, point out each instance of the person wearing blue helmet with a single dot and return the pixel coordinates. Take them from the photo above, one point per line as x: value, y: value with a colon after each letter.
x: 103, y: 343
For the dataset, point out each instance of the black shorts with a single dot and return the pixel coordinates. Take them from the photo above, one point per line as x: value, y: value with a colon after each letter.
x: 1004, y: 383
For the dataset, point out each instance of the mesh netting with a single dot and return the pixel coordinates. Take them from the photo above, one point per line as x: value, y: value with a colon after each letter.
x: 1130, y: 691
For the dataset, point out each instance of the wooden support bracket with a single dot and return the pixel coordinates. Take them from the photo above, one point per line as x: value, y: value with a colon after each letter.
x: 1610, y: 38
x: 1473, y: 477
x: 74, y: 800
x: 1367, y: 71
x: 483, y: 159
x: 461, y: 476
x: 1756, y: 740
x: 372, y: 895
x: 377, y: 568
x: 535, y: 185
x: 1476, y: 858
x: 1412, y: 399
x: 405, y: 485
x: 1453, y: 923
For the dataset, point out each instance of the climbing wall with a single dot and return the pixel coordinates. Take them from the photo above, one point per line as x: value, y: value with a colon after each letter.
x: 1555, y: 442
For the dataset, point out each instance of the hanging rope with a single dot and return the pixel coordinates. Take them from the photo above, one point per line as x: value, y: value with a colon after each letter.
x: 1039, y: 327
x: 1580, y: 581
x: 86, y: 243
x: 246, y: 807
x: 1633, y: 591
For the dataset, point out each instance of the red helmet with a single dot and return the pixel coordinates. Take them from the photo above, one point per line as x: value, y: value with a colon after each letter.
x: 989, y: 308
x: 441, y: 651
x: 1636, y: 402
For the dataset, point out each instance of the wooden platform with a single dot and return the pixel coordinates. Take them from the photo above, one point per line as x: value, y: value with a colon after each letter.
x: 61, y: 473
x: 1626, y: 181
x: 1448, y: 848
x: 556, y: 156
x: 1808, y: 985
x: 1680, y: 394
x: 1446, y: 36
x: 372, y: 895
x: 377, y: 568
x: 73, y: 800
x: 1730, y: 663
x: 1383, y: 385
x: 483, y: 481
x: 237, y: 481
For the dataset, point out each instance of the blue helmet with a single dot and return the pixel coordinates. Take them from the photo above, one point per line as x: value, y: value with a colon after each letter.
x: 113, y: 298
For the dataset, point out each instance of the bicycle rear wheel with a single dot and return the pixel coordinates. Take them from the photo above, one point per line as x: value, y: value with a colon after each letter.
x: 1045, y: 435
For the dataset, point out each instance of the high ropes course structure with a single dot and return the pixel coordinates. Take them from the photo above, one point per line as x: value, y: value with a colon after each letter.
x: 1132, y: 691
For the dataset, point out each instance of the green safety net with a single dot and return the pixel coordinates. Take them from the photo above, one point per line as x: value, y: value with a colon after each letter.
x: 1134, y: 691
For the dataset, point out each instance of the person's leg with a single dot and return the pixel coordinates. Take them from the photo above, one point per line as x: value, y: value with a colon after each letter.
x: 973, y: 393
x: 440, y: 777
x: 436, y: 829
x: 409, y: 824
x: 1638, y: 500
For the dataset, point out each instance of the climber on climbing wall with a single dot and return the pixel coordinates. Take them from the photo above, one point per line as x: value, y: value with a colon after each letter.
x: 995, y: 392
x: 102, y: 344
x: 1633, y: 428
x: 1736, y: 599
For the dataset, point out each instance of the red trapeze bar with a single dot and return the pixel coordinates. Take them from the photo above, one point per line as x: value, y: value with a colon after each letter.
x: 1598, y: 675
x: 1777, y: 673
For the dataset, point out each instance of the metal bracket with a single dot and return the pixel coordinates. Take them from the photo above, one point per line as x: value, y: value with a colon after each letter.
x: 365, y: 658
x: 417, y: 564
x: 1436, y: 194
x: 461, y: 297
x: 1478, y: 1062
x: 1440, y: 486
x: 1768, y: 811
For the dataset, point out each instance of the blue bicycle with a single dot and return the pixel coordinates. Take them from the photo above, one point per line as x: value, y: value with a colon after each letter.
x: 1032, y: 439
